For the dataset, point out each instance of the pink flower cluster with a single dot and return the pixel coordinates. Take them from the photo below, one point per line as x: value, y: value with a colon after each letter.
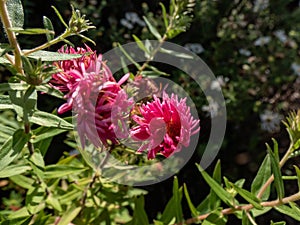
x: 105, y: 114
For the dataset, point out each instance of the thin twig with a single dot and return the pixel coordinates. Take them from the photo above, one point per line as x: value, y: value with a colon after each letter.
x: 247, y: 207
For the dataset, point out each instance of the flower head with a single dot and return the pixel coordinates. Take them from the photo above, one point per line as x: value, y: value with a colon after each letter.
x: 79, y: 75
x: 164, y: 125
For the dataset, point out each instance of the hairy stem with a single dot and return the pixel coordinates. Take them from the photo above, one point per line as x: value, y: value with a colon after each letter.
x: 48, y: 44
x: 247, y: 207
x: 11, y: 36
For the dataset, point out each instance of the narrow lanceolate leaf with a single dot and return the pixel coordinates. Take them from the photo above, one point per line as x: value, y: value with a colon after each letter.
x: 5, y: 102
x: 55, y: 171
x: 177, y: 54
x: 69, y: 216
x: 46, y: 88
x: 13, y: 86
x: 288, y: 211
x: 248, y: 196
x: 262, y: 176
x: 193, y: 209
x: 141, y: 45
x: 139, y: 215
x: 13, y: 170
x: 164, y: 14
x: 52, y: 56
x: 48, y: 25
x: 278, y: 223
x: 50, y: 120
x: 31, y: 31
x: 278, y: 181
x: 16, y: 12
x: 22, y: 181
x: 298, y: 175
x: 217, y: 188
x: 173, y: 209
x: 215, y: 218
x: 12, y: 147
x: 152, y: 29
x: 245, y: 219
x: 214, y: 201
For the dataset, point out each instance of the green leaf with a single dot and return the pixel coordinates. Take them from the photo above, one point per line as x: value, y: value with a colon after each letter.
x: 13, y: 86
x: 31, y: 31
x: 48, y: 25
x: 245, y: 219
x: 12, y: 147
x: 139, y: 214
x: 56, y: 171
x: 43, y: 133
x: 288, y: 211
x: 217, y: 188
x: 258, y: 212
x: 50, y: 120
x: 60, y: 17
x: 13, y: 170
x: 164, y: 14
x: 173, y: 208
x: 141, y: 45
x: 177, y: 54
x: 263, y: 174
x: 35, y: 199
x: 5, y: 102
x: 278, y: 181
x: 54, y: 202
x: 69, y: 197
x: 248, y: 196
x: 69, y: 215
x: 3, y: 60
x: 298, y: 175
x: 52, y: 56
x: 16, y: 12
x: 37, y: 159
x: 21, y: 213
x: 46, y: 88
x: 278, y: 223
x: 214, y: 200
x: 193, y: 209
x: 215, y: 218
x: 22, y: 181
x: 152, y: 29
x: 204, y: 206
x: 129, y: 57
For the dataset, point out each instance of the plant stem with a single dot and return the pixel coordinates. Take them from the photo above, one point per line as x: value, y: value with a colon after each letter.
x: 247, y: 207
x: 48, y: 44
x: 11, y: 36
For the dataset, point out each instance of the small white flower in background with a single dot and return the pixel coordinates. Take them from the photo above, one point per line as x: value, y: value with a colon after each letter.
x: 130, y: 19
x: 218, y: 83
x: 126, y: 24
x: 211, y: 109
x: 260, y: 5
x: 296, y: 68
x: 134, y: 18
x: 262, y: 41
x: 270, y: 121
x: 280, y: 34
x: 194, y: 47
x: 244, y: 52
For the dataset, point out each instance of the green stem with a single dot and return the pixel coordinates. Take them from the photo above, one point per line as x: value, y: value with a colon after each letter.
x: 11, y: 36
x: 48, y: 44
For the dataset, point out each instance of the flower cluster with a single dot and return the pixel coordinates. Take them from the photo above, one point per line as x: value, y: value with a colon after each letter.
x: 106, y: 114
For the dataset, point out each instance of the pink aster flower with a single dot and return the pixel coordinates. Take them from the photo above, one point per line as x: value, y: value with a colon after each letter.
x: 92, y: 93
x: 164, y: 126
x: 86, y: 71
